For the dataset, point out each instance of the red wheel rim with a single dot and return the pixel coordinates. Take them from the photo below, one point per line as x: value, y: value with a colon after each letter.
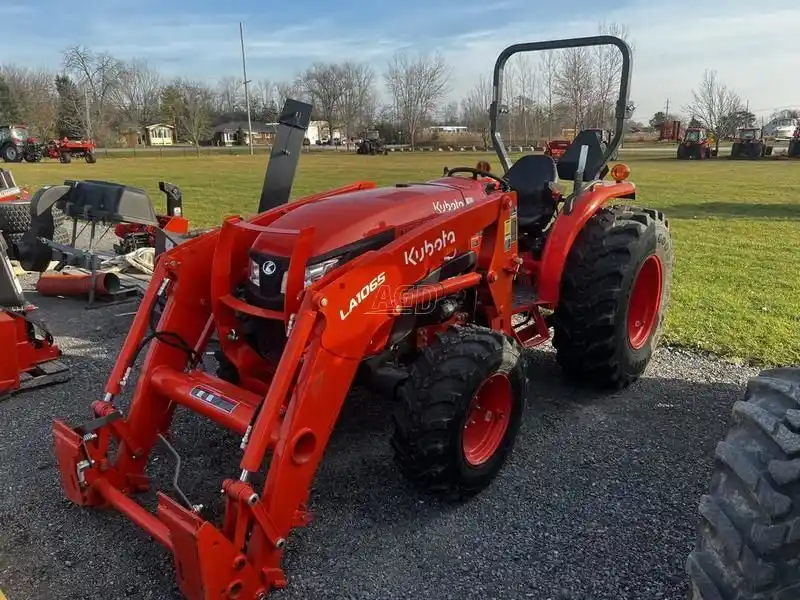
x: 645, y: 302
x: 487, y: 420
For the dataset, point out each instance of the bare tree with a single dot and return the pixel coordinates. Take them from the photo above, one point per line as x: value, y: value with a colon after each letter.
x: 607, y: 68
x: 357, y: 88
x: 324, y: 84
x: 265, y: 91
x: 193, y: 105
x: 573, y: 83
x: 523, y: 102
x: 35, y: 96
x: 98, y: 75
x: 230, y: 95
x: 416, y: 85
x: 712, y: 104
x: 138, y: 92
x: 476, y: 110
x: 285, y: 90
x: 549, y: 68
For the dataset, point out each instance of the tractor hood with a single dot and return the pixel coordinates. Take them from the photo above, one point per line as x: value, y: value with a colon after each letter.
x: 355, y: 217
x: 348, y: 225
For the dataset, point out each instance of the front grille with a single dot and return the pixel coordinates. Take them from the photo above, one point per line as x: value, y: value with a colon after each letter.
x: 268, y: 294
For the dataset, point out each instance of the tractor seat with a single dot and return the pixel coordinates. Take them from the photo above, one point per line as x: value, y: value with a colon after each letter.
x: 568, y: 163
x: 530, y: 177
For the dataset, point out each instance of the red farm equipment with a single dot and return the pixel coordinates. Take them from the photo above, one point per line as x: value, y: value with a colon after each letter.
x: 137, y: 235
x: 556, y: 148
x: 430, y: 292
x: 17, y: 144
x: 30, y: 355
x: 65, y: 150
x: 695, y: 145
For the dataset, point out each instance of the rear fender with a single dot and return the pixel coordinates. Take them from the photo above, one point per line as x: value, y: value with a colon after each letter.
x: 567, y: 227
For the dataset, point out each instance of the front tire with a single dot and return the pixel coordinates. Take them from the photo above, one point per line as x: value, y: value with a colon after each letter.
x: 748, y: 540
x: 459, y: 411
x: 614, y: 295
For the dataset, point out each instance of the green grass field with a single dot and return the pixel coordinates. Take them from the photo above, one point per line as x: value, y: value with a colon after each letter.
x: 736, y: 227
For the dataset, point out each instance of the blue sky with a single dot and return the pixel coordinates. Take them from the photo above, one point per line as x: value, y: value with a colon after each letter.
x: 748, y: 43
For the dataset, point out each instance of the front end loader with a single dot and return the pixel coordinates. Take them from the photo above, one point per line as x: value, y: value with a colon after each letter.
x: 430, y: 292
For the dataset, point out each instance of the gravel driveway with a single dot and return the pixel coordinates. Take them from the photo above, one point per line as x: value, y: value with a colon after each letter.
x: 598, y: 501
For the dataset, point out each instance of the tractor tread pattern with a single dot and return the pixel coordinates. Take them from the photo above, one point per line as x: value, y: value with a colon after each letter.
x: 430, y: 404
x: 748, y: 540
x: 15, y: 216
x: 592, y: 289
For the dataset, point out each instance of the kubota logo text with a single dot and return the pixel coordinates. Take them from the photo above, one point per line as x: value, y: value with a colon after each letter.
x: 429, y: 248
x: 444, y: 206
x: 363, y: 294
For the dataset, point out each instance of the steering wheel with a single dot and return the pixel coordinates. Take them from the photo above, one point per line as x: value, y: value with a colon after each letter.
x: 504, y: 186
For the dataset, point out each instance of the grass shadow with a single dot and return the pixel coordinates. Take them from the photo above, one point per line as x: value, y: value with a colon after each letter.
x: 734, y: 210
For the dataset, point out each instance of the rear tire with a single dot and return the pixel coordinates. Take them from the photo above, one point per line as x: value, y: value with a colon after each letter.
x: 614, y: 294
x: 10, y: 153
x: 459, y: 411
x: 90, y: 158
x: 748, y: 541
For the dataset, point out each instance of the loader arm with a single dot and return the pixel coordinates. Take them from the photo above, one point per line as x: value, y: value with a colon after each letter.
x: 294, y: 418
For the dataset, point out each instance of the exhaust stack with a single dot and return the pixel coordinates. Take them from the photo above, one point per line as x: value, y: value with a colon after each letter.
x: 285, y: 155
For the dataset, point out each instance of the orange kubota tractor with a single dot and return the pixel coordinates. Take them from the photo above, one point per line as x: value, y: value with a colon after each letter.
x: 430, y: 291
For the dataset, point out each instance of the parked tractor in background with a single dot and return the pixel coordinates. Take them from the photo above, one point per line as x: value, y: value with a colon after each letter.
x: 696, y: 145
x: 794, y: 145
x: 16, y: 145
x: 372, y: 144
x: 750, y: 144
x: 64, y: 150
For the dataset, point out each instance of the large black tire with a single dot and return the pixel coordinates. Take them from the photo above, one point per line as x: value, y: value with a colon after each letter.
x: 433, y: 412
x: 15, y: 216
x: 10, y: 153
x: 748, y: 540
x: 65, y: 158
x: 794, y: 149
x: 618, y: 250
x: 90, y: 158
x: 683, y: 152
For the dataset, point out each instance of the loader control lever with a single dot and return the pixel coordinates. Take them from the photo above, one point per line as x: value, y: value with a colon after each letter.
x: 478, y: 173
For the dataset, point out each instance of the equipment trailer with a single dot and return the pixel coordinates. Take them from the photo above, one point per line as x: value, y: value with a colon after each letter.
x: 429, y: 291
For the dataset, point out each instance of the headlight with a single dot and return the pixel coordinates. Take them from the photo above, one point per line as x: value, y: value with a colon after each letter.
x: 313, y: 273
x: 255, y: 273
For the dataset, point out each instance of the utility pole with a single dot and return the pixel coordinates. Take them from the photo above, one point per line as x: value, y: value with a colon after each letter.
x: 666, y: 111
x: 246, y: 91
x: 88, y: 117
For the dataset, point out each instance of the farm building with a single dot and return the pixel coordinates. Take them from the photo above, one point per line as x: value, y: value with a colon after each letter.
x: 235, y: 133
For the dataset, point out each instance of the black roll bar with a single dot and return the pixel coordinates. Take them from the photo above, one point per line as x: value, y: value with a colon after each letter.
x: 622, y: 107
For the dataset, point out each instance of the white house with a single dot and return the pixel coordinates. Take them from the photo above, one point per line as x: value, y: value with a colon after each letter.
x: 159, y: 134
